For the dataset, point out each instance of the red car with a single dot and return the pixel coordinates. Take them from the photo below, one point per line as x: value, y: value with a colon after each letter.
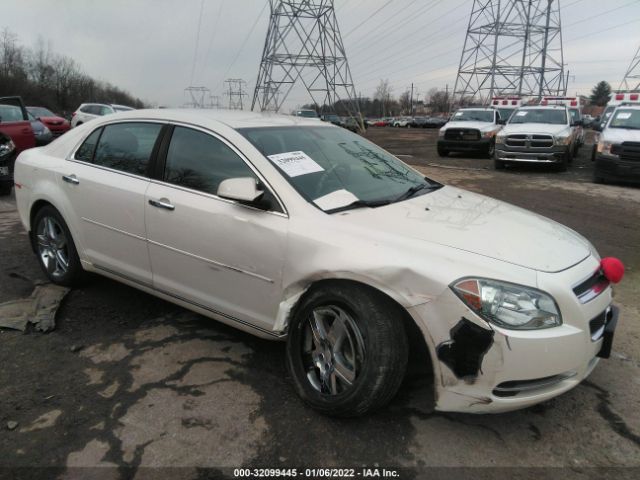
x: 53, y: 122
x: 14, y: 123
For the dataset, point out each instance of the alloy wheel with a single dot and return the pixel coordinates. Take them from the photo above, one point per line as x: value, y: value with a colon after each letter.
x: 52, y: 246
x: 333, y: 350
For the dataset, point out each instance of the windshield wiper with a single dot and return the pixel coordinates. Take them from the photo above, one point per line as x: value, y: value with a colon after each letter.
x: 417, y: 188
x: 359, y: 204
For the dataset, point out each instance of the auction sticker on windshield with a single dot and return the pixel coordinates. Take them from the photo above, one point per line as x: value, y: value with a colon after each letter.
x: 295, y: 164
x: 521, y: 114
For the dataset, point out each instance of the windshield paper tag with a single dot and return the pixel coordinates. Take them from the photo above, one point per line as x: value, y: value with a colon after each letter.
x: 521, y: 114
x: 295, y: 164
x: 458, y: 114
x: 623, y: 115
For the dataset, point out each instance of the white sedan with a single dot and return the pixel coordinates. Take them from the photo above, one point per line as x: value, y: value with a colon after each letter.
x: 293, y: 229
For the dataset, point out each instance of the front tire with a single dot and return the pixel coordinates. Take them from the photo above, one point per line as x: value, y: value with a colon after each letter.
x: 443, y: 152
x: 56, y: 251
x: 347, y: 350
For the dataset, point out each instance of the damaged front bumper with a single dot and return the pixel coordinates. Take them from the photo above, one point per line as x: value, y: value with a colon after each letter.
x: 482, y: 368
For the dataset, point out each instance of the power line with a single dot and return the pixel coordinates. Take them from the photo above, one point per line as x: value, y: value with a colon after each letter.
x: 398, y: 12
x: 195, y: 51
x: 244, y: 42
x: 214, y: 34
x: 367, y: 19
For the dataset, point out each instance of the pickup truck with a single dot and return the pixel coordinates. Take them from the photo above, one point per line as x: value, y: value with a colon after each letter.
x: 618, y: 148
x: 470, y: 130
x: 16, y: 135
x: 538, y: 134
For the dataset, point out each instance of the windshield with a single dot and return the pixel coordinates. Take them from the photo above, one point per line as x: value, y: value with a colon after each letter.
x: 333, y: 167
x: 505, y: 113
x: 473, y: 116
x: 307, y: 114
x: 539, y: 115
x: 40, y: 112
x: 626, y: 118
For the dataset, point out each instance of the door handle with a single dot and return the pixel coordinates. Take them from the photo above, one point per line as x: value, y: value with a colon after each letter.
x: 71, y: 179
x: 161, y: 204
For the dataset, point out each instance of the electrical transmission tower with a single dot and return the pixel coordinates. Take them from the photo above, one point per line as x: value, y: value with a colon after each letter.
x: 512, y: 47
x: 631, y: 80
x: 304, y: 44
x: 197, y: 97
x: 236, y: 93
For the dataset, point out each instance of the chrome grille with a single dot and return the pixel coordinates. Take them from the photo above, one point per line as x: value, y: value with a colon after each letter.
x: 529, y: 141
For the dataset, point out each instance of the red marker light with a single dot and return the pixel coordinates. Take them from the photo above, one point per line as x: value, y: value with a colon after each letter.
x: 620, y: 96
x: 634, y: 96
x: 612, y: 268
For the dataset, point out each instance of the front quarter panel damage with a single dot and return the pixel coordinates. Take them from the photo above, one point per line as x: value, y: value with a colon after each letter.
x: 464, y: 352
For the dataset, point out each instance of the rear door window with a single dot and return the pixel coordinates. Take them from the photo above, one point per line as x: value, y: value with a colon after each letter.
x: 127, y: 147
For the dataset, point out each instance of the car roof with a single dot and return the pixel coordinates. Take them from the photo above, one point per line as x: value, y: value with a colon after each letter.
x: 544, y: 107
x: 485, y: 109
x: 232, y: 118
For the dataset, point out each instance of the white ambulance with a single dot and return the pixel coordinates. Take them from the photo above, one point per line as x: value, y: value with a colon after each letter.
x: 575, y: 109
x: 506, y: 105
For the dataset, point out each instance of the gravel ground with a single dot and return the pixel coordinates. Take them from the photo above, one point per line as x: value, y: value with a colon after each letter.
x: 131, y: 383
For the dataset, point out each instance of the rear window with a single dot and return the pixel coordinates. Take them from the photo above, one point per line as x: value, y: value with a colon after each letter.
x: 127, y: 147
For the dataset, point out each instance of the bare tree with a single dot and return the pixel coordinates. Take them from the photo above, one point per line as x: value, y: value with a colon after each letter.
x: 383, y: 94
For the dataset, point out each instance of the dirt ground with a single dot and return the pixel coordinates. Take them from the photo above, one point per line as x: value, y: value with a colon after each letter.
x: 131, y: 383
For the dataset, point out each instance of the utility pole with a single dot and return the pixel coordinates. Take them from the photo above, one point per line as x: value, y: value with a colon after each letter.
x: 236, y: 93
x: 631, y: 79
x: 304, y: 45
x: 512, y: 47
x: 196, y: 96
x: 411, y: 99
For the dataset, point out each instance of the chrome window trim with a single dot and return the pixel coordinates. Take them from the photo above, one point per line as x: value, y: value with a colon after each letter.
x: 237, y: 151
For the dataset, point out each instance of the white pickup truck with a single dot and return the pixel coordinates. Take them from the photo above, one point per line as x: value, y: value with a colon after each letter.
x: 618, y: 148
x: 470, y: 130
x: 538, y: 134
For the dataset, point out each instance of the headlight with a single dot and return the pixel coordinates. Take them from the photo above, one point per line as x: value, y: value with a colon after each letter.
x: 7, y: 148
x: 500, y: 138
x: 508, y: 305
x: 605, y: 148
x: 489, y: 134
x: 441, y: 132
x: 45, y: 132
x: 562, y: 140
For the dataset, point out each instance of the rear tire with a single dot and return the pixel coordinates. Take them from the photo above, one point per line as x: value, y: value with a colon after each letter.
x: 443, y: 152
x: 347, y: 349
x: 55, y: 249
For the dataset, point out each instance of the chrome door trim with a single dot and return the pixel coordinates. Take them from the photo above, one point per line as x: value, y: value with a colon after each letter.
x: 195, y: 304
x: 213, y: 262
x: 129, y: 234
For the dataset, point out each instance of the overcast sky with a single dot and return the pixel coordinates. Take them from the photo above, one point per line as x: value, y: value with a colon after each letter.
x: 148, y: 46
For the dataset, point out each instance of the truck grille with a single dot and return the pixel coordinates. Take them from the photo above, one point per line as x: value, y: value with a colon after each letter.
x: 464, y: 134
x: 627, y: 150
x: 529, y: 141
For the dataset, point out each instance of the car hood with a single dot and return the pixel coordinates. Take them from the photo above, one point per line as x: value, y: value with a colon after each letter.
x: 53, y: 120
x: 474, y: 223
x: 479, y: 125
x: 619, y: 135
x: 534, y: 128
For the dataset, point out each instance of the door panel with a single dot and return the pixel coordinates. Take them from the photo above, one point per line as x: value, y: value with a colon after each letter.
x: 217, y: 254
x: 110, y: 210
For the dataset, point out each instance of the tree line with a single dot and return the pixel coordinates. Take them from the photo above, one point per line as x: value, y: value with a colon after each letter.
x: 44, y: 78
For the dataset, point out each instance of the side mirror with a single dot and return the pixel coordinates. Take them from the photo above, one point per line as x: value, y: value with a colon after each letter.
x: 242, y: 189
x: 502, y: 121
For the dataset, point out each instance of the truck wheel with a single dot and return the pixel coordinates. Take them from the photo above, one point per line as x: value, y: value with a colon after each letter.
x: 347, y: 350
x: 499, y: 164
x: 443, y: 152
x: 491, y: 150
